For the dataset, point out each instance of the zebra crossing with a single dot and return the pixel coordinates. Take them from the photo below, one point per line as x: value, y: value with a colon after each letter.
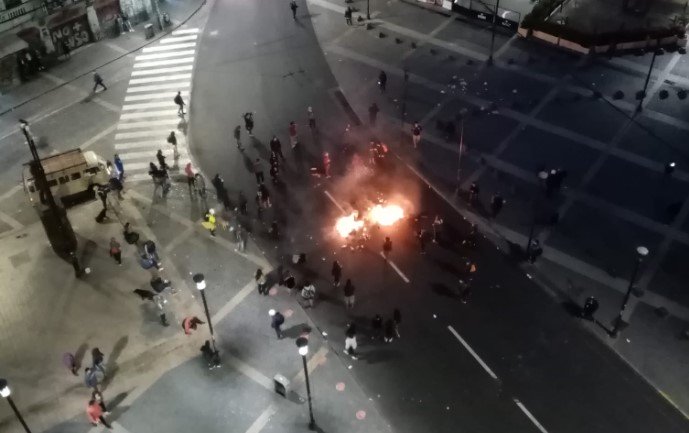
x: 149, y: 113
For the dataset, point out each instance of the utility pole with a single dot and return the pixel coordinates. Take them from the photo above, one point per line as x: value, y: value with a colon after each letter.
x: 648, y: 78
x: 459, y: 157
x: 492, y: 34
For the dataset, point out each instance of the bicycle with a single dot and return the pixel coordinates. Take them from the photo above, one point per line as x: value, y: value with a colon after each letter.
x: 200, y: 184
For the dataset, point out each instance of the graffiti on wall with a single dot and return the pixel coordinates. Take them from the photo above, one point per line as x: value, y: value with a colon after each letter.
x: 74, y: 34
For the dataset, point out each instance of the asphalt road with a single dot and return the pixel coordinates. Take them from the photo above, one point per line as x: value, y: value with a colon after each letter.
x: 531, y: 353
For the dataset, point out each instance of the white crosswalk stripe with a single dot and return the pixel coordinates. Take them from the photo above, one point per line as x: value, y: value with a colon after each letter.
x: 149, y: 113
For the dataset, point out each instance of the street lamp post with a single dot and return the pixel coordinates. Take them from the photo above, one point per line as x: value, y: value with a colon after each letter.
x: 5, y: 393
x: 492, y: 34
x: 459, y: 157
x: 303, y: 345
x: 368, y: 9
x: 641, y: 252
x: 648, y: 77
x: 201, y: 286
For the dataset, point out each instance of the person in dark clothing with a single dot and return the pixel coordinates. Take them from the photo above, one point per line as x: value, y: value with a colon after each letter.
x: 97, y: 358
x: 161, y: 160
x: 274, y: 231
x: 382, y: 81
x: 535, y: 250
x: 219, y: 186
x: 422, y: 240
x: 348, y: 16
x: 258, y: 171
x: 98, y: 81
x: 496, y: 204
x: 249, y: 122
x: 276, y: 147
x: 373, y: 113
x: 237, y: 137
x: 276, y: 321
x: 473, y: 193
x: 65, y: 49
x: 377, y: 325
x: 349, y: 294
x: 242, y: 203
x: 180, y: 103
x: 102, y: 192
x: 293, y: 6
x: 336, y: 272
x: 387, y: 247
x: 389, y: 331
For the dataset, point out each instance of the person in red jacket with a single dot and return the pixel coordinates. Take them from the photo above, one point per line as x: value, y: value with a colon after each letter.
x: 190, y: 323
x: 96, y: 413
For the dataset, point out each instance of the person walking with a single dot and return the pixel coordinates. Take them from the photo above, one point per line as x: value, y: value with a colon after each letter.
x: 161, y: 160
x: 97, y: 358
x: 416, y: 134
x: 382, y: 81
x: 258, y: 171
x: 422, y: 241
x: 397, y: 319
x: 535, y: 250
x: 312, y: 118
x: 261, y: 282
x: 276, y: 321
x: 116, y: 251
x: 242, y: 203
x: 350, y: 341
x: 276, y: 147
x: 71, y: 363
x: 114, y: 179
x: 219, y: 185
x: 119, y: 165
x: 151, y: 252
x: 191, y: 177
x: 237, y: 136
x: 210, y: 221
x: 336, y: 272
x: 308, y: 293
x: 496, y: 204
x: 172, y: 139
x: 96, y: 414
x: 190, y: 323
x: 249, y: 122
x: 159, y: 300
x: 180, y: 104
x: 293, y: 137
x: 436, y: 225
x: 377, y: 326
x: 274, y: 168
x: 348, y: 16
x: 98, y: 81
x: 349, y: 294
x: 387, y: 247
x: 326, y: 164
x: 473, y: 194
x: 91, y: 378
x: 373, y: 114
x: 389, y: 331
x: 241, y: 239
x: 293, y: 6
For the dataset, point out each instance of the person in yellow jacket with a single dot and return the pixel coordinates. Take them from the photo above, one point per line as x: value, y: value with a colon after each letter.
x: 210, y: 221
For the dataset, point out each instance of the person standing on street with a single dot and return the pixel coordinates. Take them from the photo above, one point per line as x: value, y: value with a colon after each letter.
x: 190, y: 323
x: 119, y: 165
x: 348, y: 16
x: 276, y: 147
x: 191, y: 177
x: 535, y: 251
x: 473, y: 194
x: 114, y: 180
x: 293, y: 137
x: 350, y: 341
x: 210, y: 222
x: 397, y: 319
x: 416, y: 134
x: 496, y: 204
x: 241, y: 239
x: 326, y: 164
x: 387, y: 247
x: 373, y: 114
x: 308, y: 293
x: 422, y: 241
x: 161, y: 160
x: 258, y: 171
x: 382, y: 81
x: 97, y: 358
x: 336, y: 272
x: 276, y: 321
x: 312, y: 118
x: 349, y: 294
x: 260, y: 282
x: 242, y: 202
x: 249, y: 122
x: 180, y: 104
x: 96, y: 414
x: 116, y: 251
x: 389, y: 331
x: 293, y: 6
x: 98, y: 81
x: 237, y: 136
x: 172, y: 139
x: 219, y: 185
x: 377, y: 326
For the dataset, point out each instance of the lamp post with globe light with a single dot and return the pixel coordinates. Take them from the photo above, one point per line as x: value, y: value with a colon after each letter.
x: 303, y: 345
x: 641, y: 253
x: 5, y: 393
x: 201, y: 286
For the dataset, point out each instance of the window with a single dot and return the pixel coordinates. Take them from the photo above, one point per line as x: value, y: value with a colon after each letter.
x: 9, y: 4
x: 92, y: 170
x: 52, y: 183
x: 76, y: 176
x: 64, y: 180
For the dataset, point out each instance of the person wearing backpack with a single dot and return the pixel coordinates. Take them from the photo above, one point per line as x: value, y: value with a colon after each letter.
x: 180, y: 103
x: 276, y: 321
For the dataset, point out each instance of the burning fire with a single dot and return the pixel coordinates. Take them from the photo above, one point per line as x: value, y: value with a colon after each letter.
x: 345, y: 225
x: 385, y: 215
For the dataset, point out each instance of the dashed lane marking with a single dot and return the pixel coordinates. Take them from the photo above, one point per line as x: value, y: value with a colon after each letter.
x: 471, y: 351
x: 528, y: 414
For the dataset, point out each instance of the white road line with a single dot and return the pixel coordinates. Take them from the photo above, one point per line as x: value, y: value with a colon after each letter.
x: 528, y: 414
x: 143, y: 72
x: 155, y: 64
x: 170, y: 47
x: 184, y: 31
x: 159, y: 132
x: 262, y: 420
x: 172, y: 112
x: 474, y: 354
x: 148, y: 105
x: 173, y: 77
x: 134, y: 125
x: 332, y: 199
x: 173, y: 39
x: 150, y: 155
x: 140, y: 144
x: 168, y: 86
x: 137, y: 177
x: 159, y: 56
x: 394, y: 266
x: 234, y: 302
x: 156, y: 95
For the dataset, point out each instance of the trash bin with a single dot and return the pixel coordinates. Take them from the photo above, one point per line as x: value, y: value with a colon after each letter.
x: 590, y: 307
x: 281, y: 384
x: 148, y: 31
